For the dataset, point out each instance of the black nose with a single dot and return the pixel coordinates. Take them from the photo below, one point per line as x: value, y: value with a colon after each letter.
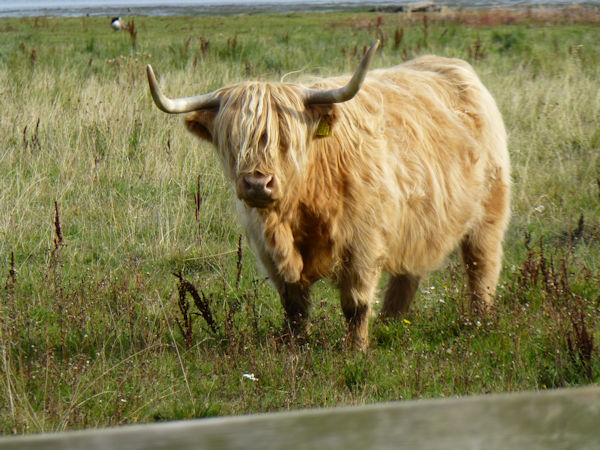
x: 258, y: 189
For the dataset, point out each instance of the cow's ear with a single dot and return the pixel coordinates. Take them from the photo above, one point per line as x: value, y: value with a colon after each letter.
x: 325, y: 117
x: 200, y: 123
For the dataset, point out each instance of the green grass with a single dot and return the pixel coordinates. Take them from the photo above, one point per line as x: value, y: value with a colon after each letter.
x: 92, y: 326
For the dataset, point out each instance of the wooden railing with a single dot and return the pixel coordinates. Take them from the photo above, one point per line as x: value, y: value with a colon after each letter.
x: 558, y: 419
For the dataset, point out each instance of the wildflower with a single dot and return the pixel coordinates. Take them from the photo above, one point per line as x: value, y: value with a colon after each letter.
x: 407, y: 322
x: 250, y: 376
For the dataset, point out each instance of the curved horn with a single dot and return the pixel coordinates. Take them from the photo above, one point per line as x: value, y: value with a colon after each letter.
x: 345, y: 93
x: 179, y: 105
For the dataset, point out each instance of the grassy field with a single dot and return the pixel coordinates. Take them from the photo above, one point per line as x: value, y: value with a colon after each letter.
x: 103, y: 199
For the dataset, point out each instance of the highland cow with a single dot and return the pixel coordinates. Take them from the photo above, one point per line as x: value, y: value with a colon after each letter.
x: 384, y: 171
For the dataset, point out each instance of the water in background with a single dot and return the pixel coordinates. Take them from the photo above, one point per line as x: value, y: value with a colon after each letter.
x: 66, y: 8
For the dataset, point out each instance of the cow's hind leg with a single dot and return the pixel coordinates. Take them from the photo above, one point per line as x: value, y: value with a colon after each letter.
x: 482, y: 249
x: 482, y: 259
x: 399, y: 294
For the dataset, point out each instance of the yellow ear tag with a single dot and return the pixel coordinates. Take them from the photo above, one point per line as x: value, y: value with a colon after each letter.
x: 323, y: 129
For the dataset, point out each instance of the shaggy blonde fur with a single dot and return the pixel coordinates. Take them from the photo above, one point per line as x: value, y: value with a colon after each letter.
x: 416, y: 166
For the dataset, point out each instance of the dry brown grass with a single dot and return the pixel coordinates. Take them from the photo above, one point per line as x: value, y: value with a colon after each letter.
x: 491, y: 17
x: 573, y: 14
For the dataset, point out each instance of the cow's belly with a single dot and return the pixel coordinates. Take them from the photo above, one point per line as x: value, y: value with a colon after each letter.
x: 426, y: 231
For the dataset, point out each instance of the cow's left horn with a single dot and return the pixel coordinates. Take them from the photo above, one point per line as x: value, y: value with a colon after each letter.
x: 345, y: 93
x: 180, y: 105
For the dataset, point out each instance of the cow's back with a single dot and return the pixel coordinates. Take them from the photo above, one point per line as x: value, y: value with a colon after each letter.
x: 431, y: 141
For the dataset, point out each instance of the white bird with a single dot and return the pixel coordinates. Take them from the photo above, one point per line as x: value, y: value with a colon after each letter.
x: 116, y: 24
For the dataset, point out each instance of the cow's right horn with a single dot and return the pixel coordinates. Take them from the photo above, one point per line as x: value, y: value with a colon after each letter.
x: 347, y: 92
x: 179, y: 105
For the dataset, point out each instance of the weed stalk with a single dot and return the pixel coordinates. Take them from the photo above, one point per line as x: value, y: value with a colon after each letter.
x: 201, y: 302
x: 240, y: 255
x: 198, y: 201
x: 58, y: 240
x: 132, y: 32
x: 12, y: 275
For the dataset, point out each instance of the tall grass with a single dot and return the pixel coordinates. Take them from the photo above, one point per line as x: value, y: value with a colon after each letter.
x: 103, y: 199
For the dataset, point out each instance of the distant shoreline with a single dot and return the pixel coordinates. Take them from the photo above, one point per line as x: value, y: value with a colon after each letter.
x: 254, y: 8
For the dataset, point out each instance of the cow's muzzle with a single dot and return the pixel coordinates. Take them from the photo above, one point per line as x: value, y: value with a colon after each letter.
x: 257, y: 189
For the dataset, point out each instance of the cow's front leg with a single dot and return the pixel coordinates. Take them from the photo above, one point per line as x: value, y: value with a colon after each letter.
x: 296, y: 303
x: 357, y: 291
x: 295, y: 298
x: 280, y: 239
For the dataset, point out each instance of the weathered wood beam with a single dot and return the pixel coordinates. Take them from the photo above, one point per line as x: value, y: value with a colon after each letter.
x: 567, y: 418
